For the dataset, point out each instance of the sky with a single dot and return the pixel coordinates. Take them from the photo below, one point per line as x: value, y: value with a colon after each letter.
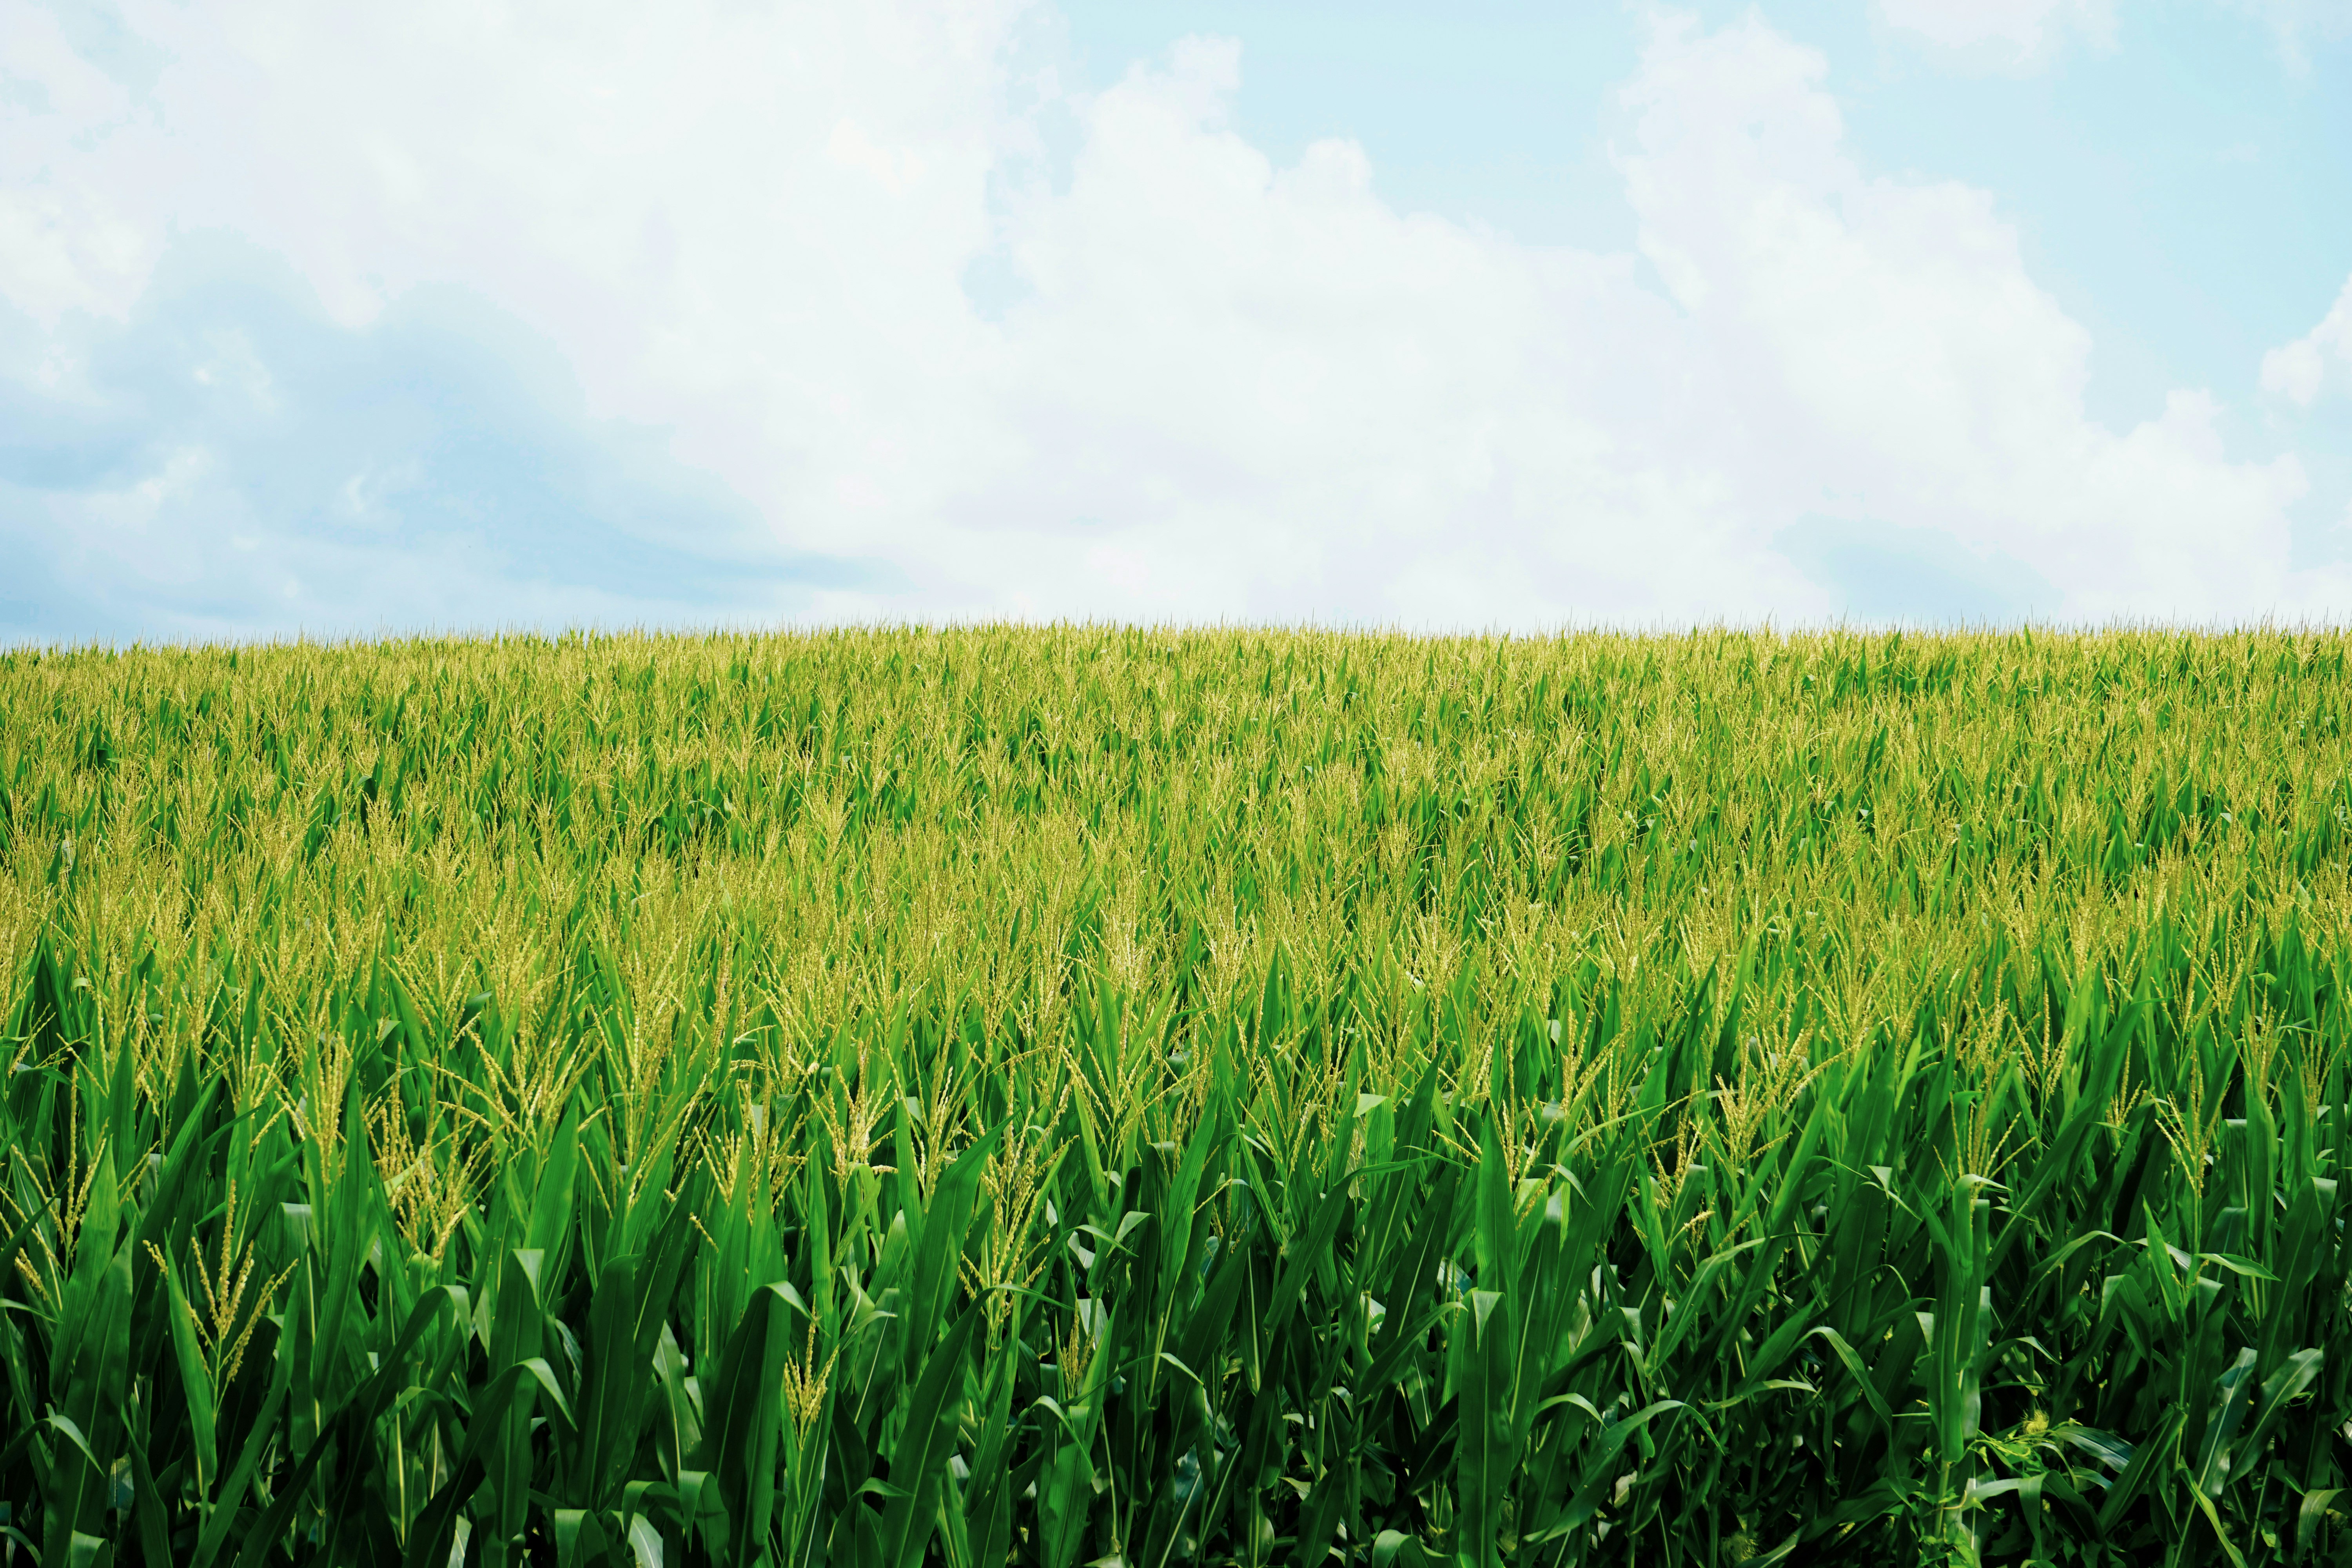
x: 368, y: 320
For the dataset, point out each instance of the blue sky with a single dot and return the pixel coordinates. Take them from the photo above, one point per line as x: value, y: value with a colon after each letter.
x: 1481, y: 316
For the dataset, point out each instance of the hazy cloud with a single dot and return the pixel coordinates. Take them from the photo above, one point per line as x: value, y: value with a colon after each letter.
x: 2006, y: 34
x: 229, y: 458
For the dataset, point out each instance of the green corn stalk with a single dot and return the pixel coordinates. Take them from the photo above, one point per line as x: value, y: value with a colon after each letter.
x: 912, y: 1096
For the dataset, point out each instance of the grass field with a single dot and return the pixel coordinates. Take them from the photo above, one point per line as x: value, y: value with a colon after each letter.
x: 1127, y: 1096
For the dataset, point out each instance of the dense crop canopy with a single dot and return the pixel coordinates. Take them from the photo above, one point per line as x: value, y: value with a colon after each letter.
x: 1086, y: 1095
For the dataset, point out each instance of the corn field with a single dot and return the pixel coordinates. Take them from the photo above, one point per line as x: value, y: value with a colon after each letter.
x: 1124, y: 1097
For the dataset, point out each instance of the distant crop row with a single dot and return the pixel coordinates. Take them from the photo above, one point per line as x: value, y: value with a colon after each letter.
x: 1082, y: 1096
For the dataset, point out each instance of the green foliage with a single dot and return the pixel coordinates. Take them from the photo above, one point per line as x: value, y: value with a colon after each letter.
x: 1083, y: 1096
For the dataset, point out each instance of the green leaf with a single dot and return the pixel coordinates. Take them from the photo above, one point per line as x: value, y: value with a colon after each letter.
x: 925, y: 1440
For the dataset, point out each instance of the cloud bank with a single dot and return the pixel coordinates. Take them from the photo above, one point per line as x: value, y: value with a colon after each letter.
x: 321, y: 318
x: 2298, y: 370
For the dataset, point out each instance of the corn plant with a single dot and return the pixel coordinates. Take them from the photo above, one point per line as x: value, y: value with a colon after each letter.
x: 1118, y: 1095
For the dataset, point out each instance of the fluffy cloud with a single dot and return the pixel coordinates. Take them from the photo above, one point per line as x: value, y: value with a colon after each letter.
x: 732, y: 247
x: 2014, y: 35
x: 2297, y: 370
x: 1886, y: 343
x: 1259, y: 392
x: 688, y: 214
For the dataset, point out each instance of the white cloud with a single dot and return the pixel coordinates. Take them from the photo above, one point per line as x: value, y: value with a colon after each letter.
x: 64, y: 243
x: 1263, y: 392
x: 2298, y: 370
x: 2296, y: 25
x: 1886, y: 340
x: 2010, y: 35
x: 1226, y: 389
x: 2018, y: 37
